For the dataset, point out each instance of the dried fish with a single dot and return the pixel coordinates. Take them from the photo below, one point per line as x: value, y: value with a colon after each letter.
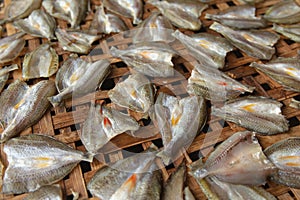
x: 52, y: 192
x: 258, y: 114
x: 102, y: 124
x: 285, y: 71
x: 179, y: 122
x: 294, y: 103
x: 238, y: 160
x: 38, y: 24
x: 38, y: 160
x: 215, y: 85
x: 173, y: 189
x: 188, y: 195
x: 4, y: 75
x: 109, y: 179
x: 19, y: 9
x: 42, y: 62
x: 290, y: 31
x: 22, y: 106
x: 106, y: 23
x: 182, y: 13
x: 135, y: 93
x: 156, y: 28
x: 285, y: 155
x: 256, y: 43
x: 152, y: 59
x: 127, y: 8
x: 241, y: 17
x: 1, y: 173
x: 75, y: 41
x: 77, y: 77
x: 284, y: 12
x: 73, y: 11
x: 11, y: 47
x: 208, y: 49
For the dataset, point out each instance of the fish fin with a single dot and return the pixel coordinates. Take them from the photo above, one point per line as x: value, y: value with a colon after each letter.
x: 55, y: 100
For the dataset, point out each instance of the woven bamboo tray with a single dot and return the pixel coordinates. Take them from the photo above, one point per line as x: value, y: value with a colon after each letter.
x: 63, y: 123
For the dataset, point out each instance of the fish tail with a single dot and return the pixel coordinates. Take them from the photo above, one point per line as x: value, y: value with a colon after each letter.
x: 88, y: 157
x: 55, y: 100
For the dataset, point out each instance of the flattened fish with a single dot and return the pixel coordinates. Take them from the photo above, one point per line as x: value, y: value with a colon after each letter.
x: 73, y: 11
x: 256, y: 43
x: 11, y: 47
x: 23, y: 106
x: 102, y: 124
x: 208, y: 49
x: 188, y: 195
x: 19, y: 9
x: 106, y: 23
x: 290, y: 31
x: 156, y: 28
x: 182, y: 13
x: 284, y: 12
x: 173, y: 189
x: 127, y: 8
x: 237, y: 160
x: 42, y: 62
x: 38, y: 24
x: 52, y: 192
x: 4, y: 75
x: 241, y: 17
x: 135, y: 93
x: 258, y: 114
x: 75, y: 41
x: 285, y: 71
x: 109, y: 179
x: 77, y: 77
x: 152, y: 59
x: 285, y: 155
x: 38, y: 160
x: 179, y: 121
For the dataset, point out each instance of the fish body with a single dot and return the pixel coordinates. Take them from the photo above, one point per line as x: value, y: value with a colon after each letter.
x: 23, y: 106
x: 256, y: 43
x: 173, y: 189
x: 188, y: 195
x: 285, y: 155
x: 152, y: 59
x: 77, y: 77
x: 4, y: 75
x: 11, y: 47
x: 290, y: 31
x: 182, y: 13
x: 102, y: 124
x: 52, y: 192
x: 37, y: 160
x: 42, y: 62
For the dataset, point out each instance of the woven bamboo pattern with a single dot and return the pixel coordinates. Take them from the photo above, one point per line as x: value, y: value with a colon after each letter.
x: 64, y: 122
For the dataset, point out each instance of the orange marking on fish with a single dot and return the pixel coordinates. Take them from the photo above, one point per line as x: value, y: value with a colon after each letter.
x: 131, y: 181
x: 42, y: 165
x: 222, y: 83
x: 66, y: 6
x: 249, y: 107
x: 19, y: 104
x: 133, y: 94
x: 291, y: 164
x: 42, y: 158
x: 288, y: 157
x: 74, y: 77
x: 204, y: 44
x: 175, y: 120
x: 146, y: 54
x: 4, y: 46
x: 106, y: 122
x: 152, y: 25
x: 290, y: 71
x: 37, y: 26
x: 248, y: 37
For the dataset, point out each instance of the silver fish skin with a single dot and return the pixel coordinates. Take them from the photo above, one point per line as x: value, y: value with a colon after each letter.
x: 179, y: 121
x: 75, y: 40
x: 208, y: 49
x: 252, y: 2
x: 151, y: 59
x: 188, y: 195
x: 290, y: 31
x: 52, y: 192
x: 215, y: 85
x: 241, y: 17
x: 127, y: 8
x: 38, y: 24
x: 106, y: 23
x: 102, y: 124
x: 238, y: 160
x: 285, y: 71
x: 285, y: 155
x: 173, y: 189
x: 19, y: 9
x: 42, y: 62
x: 4, y: 75
x: 182, y: 13
x: 11, y: 47
x: 109, y: 179
x: 156, y: 28
x: 25, y: 108
x: 77, y: 77
x: 284, y: 12
x: 255, y: 43
x: 38, y: 160
x: 258, y: 114
x: 73, y: 11
x: 135, y: 93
